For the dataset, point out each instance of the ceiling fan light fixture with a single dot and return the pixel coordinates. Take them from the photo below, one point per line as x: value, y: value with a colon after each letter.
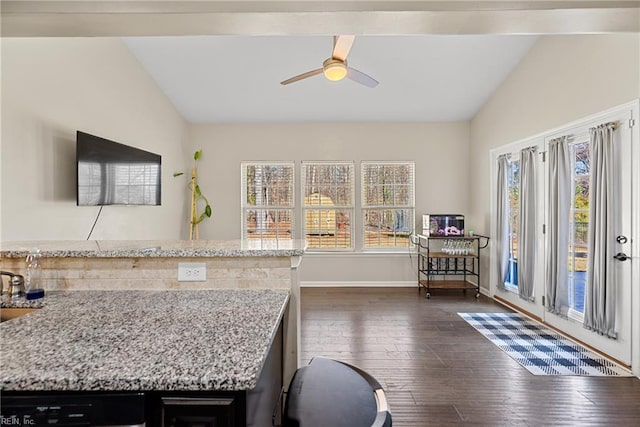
x: 334, y: 70
x: 335, y: 67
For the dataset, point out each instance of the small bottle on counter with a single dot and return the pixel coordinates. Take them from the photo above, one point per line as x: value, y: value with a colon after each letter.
x: 33, y: 276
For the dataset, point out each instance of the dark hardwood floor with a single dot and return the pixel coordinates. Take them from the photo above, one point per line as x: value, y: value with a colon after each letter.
x: 437, y: 370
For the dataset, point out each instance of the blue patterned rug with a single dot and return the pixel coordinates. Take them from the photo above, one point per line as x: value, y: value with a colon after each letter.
x: 539, y: 349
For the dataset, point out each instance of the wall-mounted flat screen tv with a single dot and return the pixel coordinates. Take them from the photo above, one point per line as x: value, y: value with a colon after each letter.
x: 110, y: 173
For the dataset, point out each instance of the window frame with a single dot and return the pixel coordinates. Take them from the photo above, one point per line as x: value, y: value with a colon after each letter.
x: 364, y: 207
x: 512, y: 286
x: 571, y: 276
x: 351, y: 208
x: 245, y: 206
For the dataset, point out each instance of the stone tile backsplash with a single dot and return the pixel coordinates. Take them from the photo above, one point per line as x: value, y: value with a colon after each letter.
x: 157, y: 273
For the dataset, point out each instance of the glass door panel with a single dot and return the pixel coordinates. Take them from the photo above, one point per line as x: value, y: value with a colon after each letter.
x: 514, y: 212
x: 579, y: 227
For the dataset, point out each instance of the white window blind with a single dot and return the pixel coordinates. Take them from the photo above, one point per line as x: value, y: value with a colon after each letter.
x: 328, y: 194
x: 388, y: 204
x: 268, y: 200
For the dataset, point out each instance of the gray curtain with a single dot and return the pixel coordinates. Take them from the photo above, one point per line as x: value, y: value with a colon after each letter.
x: 600, y: 293
x: 502, y: 221
x: 559, y: 202
x: 527, y: 224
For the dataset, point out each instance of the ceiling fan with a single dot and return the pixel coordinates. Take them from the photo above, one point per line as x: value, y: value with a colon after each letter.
x: 335, y: 68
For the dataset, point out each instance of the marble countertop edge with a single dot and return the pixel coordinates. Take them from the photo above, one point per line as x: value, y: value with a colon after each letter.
x: 154, y: 248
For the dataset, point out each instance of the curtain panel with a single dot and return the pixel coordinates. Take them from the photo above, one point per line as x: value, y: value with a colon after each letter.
x: 527, y: 223
x: 559, y: 203
x: 502, y: 221
x: 600, y: 292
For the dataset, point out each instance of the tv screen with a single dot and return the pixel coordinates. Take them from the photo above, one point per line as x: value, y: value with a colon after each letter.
x: 109, y: 173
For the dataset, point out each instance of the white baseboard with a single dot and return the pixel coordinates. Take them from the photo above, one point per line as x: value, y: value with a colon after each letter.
x: 364, y: 284
x: 358, y: 284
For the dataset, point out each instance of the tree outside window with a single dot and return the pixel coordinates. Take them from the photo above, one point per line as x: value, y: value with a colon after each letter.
x: 388, y: 204
x: 328, y: 189
x: 267, y: 200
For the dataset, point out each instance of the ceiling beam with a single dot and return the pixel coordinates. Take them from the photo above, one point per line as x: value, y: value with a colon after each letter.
x: 176, y: 18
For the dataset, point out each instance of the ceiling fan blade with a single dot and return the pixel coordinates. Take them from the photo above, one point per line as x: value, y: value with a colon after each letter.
x: 342, y: 46
x: 302, y: 76
x: 362, y: 78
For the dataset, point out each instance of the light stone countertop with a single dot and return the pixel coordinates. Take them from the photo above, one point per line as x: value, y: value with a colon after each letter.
x: 153, y: 248
x: 22, y: 302
x: 142, y: 340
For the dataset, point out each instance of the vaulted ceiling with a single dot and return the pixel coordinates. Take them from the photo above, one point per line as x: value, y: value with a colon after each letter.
x: 222, y: 61
x: 237, y: 79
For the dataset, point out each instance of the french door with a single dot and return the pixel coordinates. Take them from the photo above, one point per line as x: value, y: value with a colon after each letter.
x: 509, y: 292
x: 580, y: 155
x: 625, y: 241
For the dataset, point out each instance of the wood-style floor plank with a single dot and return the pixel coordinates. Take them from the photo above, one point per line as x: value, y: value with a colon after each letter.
x: 437, y: 370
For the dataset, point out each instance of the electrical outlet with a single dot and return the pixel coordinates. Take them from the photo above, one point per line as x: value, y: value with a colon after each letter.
x: 192, y: 272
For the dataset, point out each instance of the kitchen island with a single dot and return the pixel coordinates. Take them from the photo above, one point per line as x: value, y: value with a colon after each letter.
x: 222, y: 344
x: 149, y: 267
x: 154, y: 264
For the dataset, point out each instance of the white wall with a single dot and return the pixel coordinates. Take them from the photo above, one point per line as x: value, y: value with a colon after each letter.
x: 440, y: 151
x: 52, y: 87
x: 561, y: 79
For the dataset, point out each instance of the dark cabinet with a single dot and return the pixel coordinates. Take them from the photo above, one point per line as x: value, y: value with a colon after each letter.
x: 244, y: 408
x: 197, y: 412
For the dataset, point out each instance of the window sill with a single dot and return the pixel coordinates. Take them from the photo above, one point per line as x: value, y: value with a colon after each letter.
x: 511, y: 288
x: 354, y: 253
x: 576, y: 316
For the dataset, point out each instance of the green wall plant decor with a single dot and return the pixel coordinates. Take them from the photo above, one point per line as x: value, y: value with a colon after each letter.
x: 196, y: 198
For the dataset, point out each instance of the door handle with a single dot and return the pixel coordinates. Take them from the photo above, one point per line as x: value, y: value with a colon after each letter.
x: 621, y: 256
